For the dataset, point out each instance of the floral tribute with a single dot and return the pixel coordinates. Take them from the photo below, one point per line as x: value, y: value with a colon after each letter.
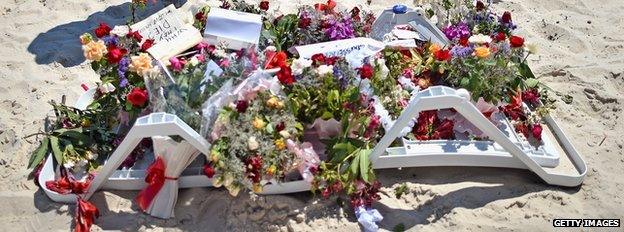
x: 284, y: 118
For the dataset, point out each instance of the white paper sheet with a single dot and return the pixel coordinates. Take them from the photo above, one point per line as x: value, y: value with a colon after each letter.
x: 236, y: 29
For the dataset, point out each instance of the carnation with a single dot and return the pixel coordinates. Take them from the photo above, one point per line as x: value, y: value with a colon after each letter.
x: 94, y: 51
x: 140, y: 64
x: 299, y: 65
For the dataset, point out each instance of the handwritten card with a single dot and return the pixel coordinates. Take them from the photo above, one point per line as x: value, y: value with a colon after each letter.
x: 236, y: 29
x: 171, y: 35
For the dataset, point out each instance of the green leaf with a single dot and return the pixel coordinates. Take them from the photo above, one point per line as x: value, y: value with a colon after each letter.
x: 56, y: 149
x: 355, y: 165
x: 531, y: 82
x: 525, y: 71
x: 39, y: 153
x: 327, y: 115
x: 364, y: 164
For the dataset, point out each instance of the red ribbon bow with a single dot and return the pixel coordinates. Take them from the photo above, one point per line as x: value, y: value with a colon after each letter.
x: 155, y: 180
x: 86, y: 212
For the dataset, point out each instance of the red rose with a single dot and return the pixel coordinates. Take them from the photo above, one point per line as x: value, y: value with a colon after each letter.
x: 115, y: 54
x: 135, y: 35
x: 137, y: 97
x: 442, y: 55
x: 241, y: 106
x: 516, y: 41
x: 102, y: 30
x: 304, y: 22
x: 331, y: 60
x: 331, y: 4
x: 318, y: 59
x: 463, y: 41
x: 280, y: 127
x: 480, y: 6
x: 264, y: 5
x: 366, y: 71
x: 531, y: 96
x: 536, y: 131
x: 285, y: 75
x: 209, y: 170
x: 506, y: 17
x: 500, y: 36
x: 200, y: 16
x: 147, y: 45
x: 277, y: 60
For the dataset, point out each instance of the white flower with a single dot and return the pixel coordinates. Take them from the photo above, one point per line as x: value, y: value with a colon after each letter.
x: 479, y: 39
x: 384, y: 68
x: 531, y: 48
x: 194, y: 61
x: 106, y: 88
x: 299, y: 64
x: 69, y: 164
x: 284, y: 134
x: 120, y: 31
x: 325, y: 69
x: 252, y: 143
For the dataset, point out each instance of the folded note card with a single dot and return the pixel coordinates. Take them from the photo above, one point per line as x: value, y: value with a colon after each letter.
x: 236, y: 29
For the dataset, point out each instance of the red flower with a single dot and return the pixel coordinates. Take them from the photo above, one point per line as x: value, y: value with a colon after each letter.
x: 137, y: 97
x: 506, y: 17
x: 536, y: 131
x: 463, y: 41
x: 480, y: 6
x: 325, y: 7
x: 277, y: 60
x: 355, y: 14
x: 516, y: 41
x: 200, y: 16
x: 147, y: 45
x: 531, y: 96
x: 304, y: 22
x: 102, y: 30
x: 366, y: 71
x: 500, y: 36
x: 326, y: 192
x: 264, y: 5
x: 115, y: 54
x: 514, y: 109
x: 523, y: 129
x: 331, y: 60
x: 442, y: 55
x: 241, y: 106
x: 135, y: 35
x: 280, y: 127
x: 285, y: 75
x: 209, y: 170
x: 428, y: 126
x: 318, y: 59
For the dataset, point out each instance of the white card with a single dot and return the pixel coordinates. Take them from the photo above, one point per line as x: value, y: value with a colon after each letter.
x: 171, y: 35
x: 236, y: 29
x: 212, y: 70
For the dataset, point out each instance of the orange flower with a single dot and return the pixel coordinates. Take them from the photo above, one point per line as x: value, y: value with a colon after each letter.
x: 94, y: 50
x: 482, y: 52
x: 433, y: 48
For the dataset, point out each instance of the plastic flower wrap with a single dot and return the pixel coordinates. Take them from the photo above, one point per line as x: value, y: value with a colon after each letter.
x: 255, y: 137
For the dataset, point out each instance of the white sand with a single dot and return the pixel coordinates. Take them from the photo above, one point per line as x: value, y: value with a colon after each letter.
x: 581, y: 54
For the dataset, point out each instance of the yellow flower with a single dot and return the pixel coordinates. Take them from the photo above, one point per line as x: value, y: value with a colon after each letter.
x: 214, y: 155
x: 273, y: 102
x: 258, y: 123
x: 94, y: 50
x: 257, y: 188
x: 271, y: 170
x: 482, y: 52
x: 434, y: 47
x: 85, y: 38
x: 85, y: 122
x: 140, y: 64
x: 280, y: 144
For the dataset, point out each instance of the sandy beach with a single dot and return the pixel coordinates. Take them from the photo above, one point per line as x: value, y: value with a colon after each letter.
x: 581, y: 54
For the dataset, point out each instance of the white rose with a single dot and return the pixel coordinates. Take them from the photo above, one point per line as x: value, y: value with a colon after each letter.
x: 252, y: 144
x: 479, y: 39
x: 325, y: 69
x: 106, y: 88
x: 120, y: 31
x: 194, y: 61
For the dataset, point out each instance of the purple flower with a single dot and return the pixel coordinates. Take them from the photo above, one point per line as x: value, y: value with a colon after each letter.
x: 457, y: 31
x: 461, y: 51
x: 110, y: 40
x: 340, y: 29
x: 121, y: 71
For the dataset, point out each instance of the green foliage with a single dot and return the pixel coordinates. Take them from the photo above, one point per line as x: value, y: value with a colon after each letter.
x: 401, y: 190
x: 283, y: 33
